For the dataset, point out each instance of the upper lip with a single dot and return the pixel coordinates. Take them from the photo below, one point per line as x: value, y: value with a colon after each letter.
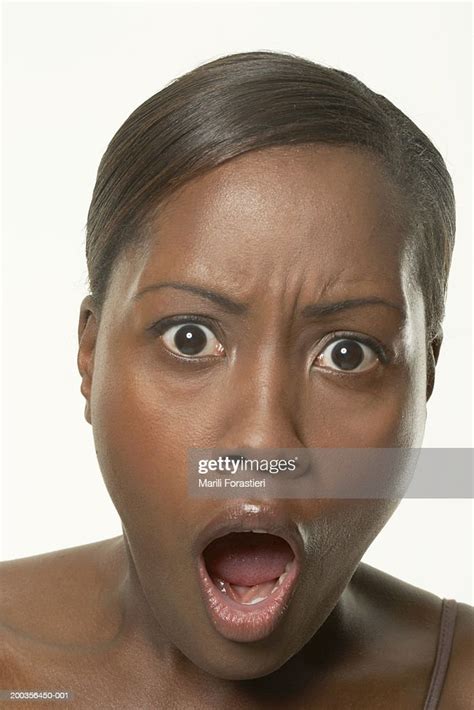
x: 249, y: 516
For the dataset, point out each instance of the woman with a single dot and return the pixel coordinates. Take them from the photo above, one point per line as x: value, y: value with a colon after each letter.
x: 268, y: 248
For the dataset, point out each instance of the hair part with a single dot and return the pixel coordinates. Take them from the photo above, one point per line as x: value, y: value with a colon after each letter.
x: 249, y: 101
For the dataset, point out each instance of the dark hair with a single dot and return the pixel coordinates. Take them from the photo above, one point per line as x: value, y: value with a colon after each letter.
x: 252, y: 100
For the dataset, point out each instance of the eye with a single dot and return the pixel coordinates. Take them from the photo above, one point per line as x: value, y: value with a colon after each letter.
x: 191, y: 340
x: 348, y: 355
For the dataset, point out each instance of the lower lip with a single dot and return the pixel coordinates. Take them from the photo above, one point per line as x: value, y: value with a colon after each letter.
x: 246, y: 622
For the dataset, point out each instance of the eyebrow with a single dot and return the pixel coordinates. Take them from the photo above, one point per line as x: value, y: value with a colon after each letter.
x: 227, y: 303
x: 313, y: 310
x: 323, y: 309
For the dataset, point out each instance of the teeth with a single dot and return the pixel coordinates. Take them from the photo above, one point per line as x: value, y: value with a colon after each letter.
x: 283, y: 576
x: 220, y: 584
x: 225, y: 589
x: 254, y: 601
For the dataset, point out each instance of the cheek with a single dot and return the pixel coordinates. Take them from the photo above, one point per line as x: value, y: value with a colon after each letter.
x: 395, y: 417
x: 390, y: 413
x: 138, y: 436
x: 390, y: 410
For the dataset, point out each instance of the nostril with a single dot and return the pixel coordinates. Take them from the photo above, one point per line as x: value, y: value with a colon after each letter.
x: 300, y: 458
x: 237, y: 457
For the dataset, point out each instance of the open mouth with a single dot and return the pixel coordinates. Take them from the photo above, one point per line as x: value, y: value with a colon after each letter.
x: 248, y: 566
x: 247, y: 578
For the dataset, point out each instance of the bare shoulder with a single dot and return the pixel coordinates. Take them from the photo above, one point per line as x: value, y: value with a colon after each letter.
x: 56, y: 600
x: 410, y: 617
x: 398, y: 601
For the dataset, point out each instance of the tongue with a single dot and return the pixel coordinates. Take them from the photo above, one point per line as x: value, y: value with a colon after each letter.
x: 247, y: 559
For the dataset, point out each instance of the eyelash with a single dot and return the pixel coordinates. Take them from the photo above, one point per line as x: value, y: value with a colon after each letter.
x: 161, y: 326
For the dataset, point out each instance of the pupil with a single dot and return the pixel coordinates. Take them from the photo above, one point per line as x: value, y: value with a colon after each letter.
x: 347, y: 354
x: 190, y: 339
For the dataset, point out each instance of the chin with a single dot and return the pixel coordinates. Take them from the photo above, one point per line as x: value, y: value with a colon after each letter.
x: 238, y: 662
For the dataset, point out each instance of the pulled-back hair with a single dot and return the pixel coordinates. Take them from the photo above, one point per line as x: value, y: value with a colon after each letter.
x: 252, y: 100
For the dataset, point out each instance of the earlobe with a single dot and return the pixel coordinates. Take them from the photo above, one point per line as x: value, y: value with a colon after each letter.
x: 87, y: 335
x: 432, y: 355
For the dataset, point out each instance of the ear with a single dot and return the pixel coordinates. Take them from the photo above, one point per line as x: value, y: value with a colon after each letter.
x: 87, y: 333
x: 433, y: 354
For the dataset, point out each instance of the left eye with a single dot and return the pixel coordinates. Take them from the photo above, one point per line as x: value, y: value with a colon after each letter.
x: 347, y: 355
x: 192, y: 339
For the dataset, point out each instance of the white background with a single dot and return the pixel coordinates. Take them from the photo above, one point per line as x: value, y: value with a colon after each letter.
x: 73, y: 72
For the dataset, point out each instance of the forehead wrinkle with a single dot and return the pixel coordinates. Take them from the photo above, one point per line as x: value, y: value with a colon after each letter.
x: 248, y: 271
x: 287, y: 291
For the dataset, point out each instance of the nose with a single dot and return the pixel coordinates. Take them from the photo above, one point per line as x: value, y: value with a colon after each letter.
x: 261, y: 407
x: 262, y: 411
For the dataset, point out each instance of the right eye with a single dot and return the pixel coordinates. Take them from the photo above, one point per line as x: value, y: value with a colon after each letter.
x: 192, y: 340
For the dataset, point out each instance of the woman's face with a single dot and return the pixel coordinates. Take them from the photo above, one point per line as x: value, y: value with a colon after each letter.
x: 271, y: 233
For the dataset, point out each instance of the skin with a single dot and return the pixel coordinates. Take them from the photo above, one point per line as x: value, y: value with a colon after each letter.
x: 276, y: 230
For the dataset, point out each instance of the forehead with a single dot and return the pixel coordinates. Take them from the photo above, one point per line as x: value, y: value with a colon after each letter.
x: 319, y: 214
